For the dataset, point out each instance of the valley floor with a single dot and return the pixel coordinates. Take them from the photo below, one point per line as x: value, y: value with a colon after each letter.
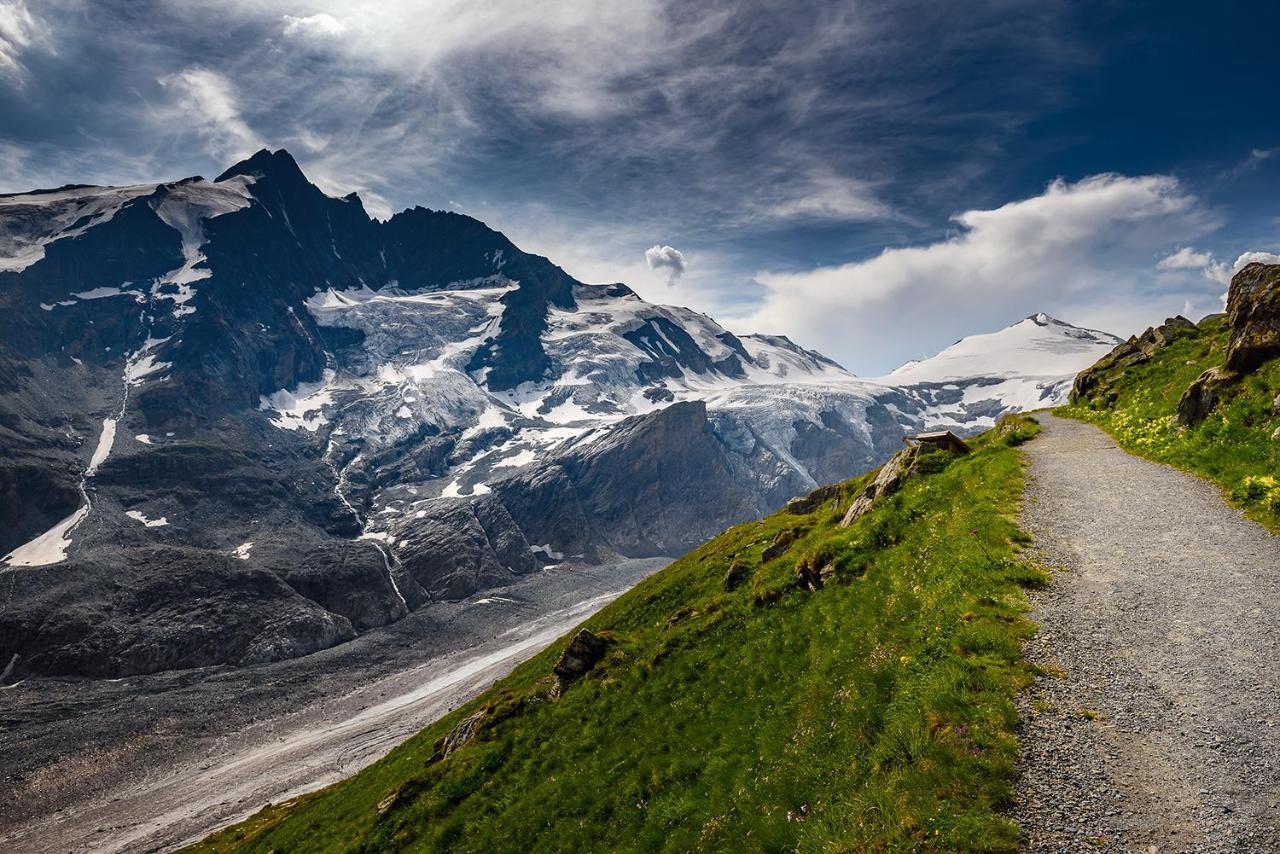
x: 150, y: 762
x: 1157, y: 725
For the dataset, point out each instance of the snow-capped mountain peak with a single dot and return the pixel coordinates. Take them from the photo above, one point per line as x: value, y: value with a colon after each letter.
x: 1038, y: 346
x: 1028, y: 365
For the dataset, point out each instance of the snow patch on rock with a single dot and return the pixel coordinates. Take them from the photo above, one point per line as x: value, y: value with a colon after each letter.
x: 139, y: 516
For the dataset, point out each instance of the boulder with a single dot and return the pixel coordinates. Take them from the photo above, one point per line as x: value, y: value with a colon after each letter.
x: 859, y: 508
x: 802, y: 504
x: 737, y: 573
x: 579, y: 657
x: 1253, y: 312
x: 812, y: 571
x: 781, y: 542
x: 1202, y: 396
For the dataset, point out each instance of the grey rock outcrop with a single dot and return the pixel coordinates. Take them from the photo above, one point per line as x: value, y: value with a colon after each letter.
x: 804, y: 504
x: 458, y: 737
x: 888, y: 481
x: 1253, y: 312
x: 1092, y: 383
x: 1202, y: 396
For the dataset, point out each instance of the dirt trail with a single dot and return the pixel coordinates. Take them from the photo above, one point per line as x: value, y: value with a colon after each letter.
x: 1161, y: 729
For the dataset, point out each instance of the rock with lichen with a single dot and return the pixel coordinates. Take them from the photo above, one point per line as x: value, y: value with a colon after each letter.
x: 1202, y: 396
x: 1253, y: 312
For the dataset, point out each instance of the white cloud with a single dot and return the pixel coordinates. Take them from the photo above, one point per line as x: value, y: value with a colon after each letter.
x: 1248, y: 258
x: 668, y: 259
x: 1185, y: 258
x: 318, y: 26
x: 1212, y: 269
x: 20, y: 31
x: 205, y: 102
x: 566, y: 53
x: 1256, y: 158
x: 1079, y: 250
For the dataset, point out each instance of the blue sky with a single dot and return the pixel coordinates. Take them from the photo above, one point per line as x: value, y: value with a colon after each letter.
x: 874, y: 179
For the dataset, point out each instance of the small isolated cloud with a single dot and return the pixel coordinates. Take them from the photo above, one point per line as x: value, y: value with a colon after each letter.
x: 205, y: 101
x: 318, y: 26
x: 1256, y: 158
x: 667, y: 259
x: 1186, y: 258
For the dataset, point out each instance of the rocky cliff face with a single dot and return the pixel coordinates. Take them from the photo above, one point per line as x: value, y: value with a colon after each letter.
x: 1139, y: 349
x: 1253, y: 312
x: 241, y: 420
x: 1253, y: 318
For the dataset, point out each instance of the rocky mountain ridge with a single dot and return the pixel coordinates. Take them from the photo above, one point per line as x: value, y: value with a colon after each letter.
x: 242, y: 420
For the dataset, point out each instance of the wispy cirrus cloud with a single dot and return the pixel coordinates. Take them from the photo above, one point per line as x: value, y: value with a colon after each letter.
x: 20, y: 31
x: 205, y: 103
x: 1255, y: 159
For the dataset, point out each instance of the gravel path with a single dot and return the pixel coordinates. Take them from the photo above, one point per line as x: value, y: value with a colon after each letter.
x: 1159, y: 726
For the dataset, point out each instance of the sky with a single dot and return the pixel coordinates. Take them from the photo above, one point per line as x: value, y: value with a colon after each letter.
x: 873, y: 179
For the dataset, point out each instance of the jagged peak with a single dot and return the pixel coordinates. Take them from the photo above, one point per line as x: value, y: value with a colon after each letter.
x: 274, y: 165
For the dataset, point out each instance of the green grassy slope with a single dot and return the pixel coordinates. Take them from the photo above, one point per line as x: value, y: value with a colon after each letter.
x: 746, y: 713
x: 1233, y: 446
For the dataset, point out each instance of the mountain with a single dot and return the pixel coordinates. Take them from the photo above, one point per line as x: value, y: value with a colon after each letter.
x: 242, y: 420
x: 824, y: 679
x: 1028, y: 365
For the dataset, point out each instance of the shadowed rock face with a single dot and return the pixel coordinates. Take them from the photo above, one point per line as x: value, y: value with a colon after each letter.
x: 1253, y: 312
x: 1202, y: 396
x: 629, y: 492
